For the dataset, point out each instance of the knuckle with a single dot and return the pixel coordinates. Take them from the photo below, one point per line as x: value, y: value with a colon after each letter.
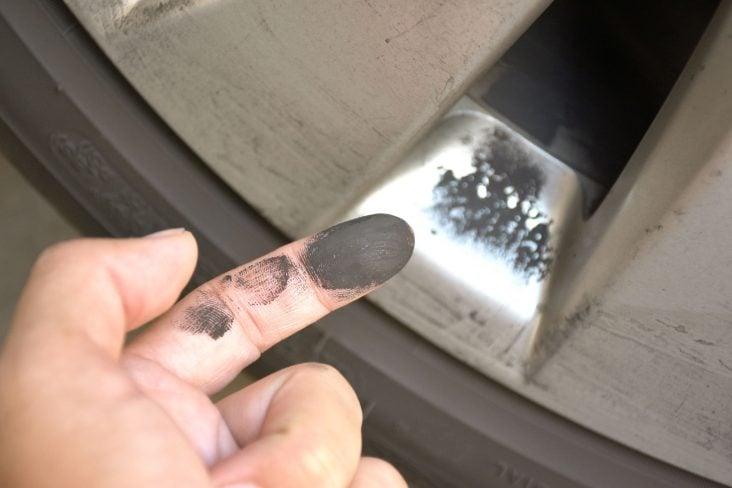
x: 250, y: 324
x: 85, y: 256
x: 75, y: 252
x: 55, y: 253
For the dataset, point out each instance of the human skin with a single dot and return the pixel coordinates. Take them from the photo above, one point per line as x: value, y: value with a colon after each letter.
x: 79, y: 407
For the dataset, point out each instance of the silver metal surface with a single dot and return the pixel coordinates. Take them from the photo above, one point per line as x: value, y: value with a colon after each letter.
x: 489, y: 211
x: 297, y: 104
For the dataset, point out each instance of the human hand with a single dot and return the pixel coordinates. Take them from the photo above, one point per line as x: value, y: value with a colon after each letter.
x: 79, y: 408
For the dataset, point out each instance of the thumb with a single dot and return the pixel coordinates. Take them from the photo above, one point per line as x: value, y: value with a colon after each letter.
x: 95, y: 290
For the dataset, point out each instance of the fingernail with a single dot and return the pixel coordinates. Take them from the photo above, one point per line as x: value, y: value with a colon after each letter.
x: 165, y: 233
x: 359, y: 254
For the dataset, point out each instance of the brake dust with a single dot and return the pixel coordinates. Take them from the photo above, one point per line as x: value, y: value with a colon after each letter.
x: 496, y: 205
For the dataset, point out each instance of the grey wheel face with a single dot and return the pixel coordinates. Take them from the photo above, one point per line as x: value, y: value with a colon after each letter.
x: 71, y: 117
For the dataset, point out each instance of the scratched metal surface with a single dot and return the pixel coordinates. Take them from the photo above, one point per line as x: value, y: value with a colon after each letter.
x: 302, y: 107
x: 641, y: 348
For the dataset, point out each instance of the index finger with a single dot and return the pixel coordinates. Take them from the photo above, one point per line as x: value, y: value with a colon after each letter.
x: 224, y: 325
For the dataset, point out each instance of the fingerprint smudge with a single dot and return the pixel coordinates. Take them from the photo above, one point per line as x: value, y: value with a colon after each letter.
x: 210, y: 316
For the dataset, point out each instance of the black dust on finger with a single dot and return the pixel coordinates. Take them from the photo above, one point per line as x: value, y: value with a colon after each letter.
x: 358, y: 254
x: 226, y: 279
x: 266, y: 279
x: 210, y: 316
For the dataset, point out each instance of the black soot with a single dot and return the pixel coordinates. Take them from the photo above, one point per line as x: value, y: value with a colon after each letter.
x: 359, y: 254
x: 265, y: 279
x: 496, y: 204
x: 210, y: 316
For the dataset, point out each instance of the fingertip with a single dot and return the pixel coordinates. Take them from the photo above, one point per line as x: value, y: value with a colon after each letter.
x: 354, y: 257
x: 179, y: 237
x: 375, y: 472
x: 175, y: 231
